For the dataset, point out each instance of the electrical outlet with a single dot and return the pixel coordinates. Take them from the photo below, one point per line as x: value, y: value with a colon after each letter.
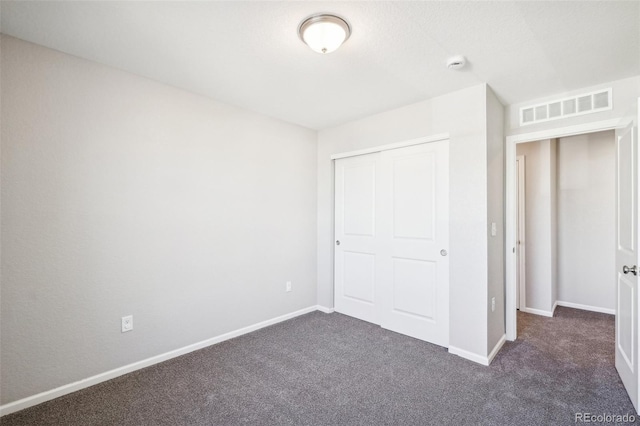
x: 494, y: 229
x: 127, y: 323
x: 493, y: 304
x: 288, y: 286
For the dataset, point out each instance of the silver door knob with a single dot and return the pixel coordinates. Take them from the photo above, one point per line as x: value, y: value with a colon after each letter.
x: 337, y: 242
x: 443, y: 252
x: 633, y: 269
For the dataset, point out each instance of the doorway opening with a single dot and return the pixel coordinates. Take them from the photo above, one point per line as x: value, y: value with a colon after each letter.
x: 565, y: 243
x: 510, y: 198
x: 626, y: 238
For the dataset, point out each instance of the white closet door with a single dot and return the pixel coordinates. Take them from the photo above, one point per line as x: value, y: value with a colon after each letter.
x: 356, y: 258
x: 392, y: 236
x: 414, y: 226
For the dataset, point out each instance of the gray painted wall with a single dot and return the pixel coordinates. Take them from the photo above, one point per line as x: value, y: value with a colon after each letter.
x: 495, y: 214
x: 625, y: 101
x: 124, y: 196
x: 586, y: 220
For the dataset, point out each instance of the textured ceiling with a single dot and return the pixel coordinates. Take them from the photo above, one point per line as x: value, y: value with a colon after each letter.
x: 248, y: 53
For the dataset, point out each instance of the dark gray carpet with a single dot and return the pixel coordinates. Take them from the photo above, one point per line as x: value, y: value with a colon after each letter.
x: 330, y: 369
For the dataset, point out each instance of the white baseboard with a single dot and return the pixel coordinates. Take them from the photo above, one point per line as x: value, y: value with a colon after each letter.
x: 497, y: 348
x: 469, y: 355
x: 325, y: 309
x: 587, y: 308
x: 538, y: 312
x: 484, y: 360
x: 39, y: 398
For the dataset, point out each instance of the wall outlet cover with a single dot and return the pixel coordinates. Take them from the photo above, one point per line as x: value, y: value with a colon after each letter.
x: 127, y: 323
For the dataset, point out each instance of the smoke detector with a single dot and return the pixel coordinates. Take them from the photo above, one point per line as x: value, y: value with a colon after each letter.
x: 456, y: 62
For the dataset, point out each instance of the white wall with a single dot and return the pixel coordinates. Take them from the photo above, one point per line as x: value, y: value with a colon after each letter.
x: 625, y: 99
x: 495, y: 214
x: 123, y: 196
x: 540, y: 238
x: 463, y: 115
x: 586, y: 220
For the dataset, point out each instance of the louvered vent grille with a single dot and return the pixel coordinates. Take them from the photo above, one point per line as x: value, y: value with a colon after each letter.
x: 587, y: 103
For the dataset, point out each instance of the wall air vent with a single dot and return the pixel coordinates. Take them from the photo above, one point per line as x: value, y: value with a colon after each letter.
x: 600, y: 100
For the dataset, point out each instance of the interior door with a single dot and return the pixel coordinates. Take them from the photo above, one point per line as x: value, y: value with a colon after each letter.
x: 626, y: 260
x: 414, y: 232
x: 356, y: 257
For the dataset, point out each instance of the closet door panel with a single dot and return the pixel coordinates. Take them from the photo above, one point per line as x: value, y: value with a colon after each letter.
x: 356, y: 258
x: 414, y: 234
x: 392, y: 236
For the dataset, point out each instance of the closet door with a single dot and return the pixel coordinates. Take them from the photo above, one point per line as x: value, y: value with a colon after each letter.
x: 413, y: 225
x: 392, y: 235
x: 356, y: 240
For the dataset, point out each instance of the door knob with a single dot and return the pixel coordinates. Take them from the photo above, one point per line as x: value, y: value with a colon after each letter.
x: 443, y: 252
x: 337, y: 242
x: 633, y: 269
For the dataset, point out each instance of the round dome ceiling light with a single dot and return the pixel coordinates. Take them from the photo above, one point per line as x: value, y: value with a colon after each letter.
x: 324, y: 33
x: 456, y: 62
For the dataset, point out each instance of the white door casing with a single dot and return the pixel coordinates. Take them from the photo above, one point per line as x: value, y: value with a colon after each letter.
x: 391, y: 222
x: 626, y: 329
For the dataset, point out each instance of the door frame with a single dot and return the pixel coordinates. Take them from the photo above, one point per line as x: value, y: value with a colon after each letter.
x: 510, y: 202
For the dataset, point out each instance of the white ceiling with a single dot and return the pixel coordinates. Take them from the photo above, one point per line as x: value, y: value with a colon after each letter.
x: 248, y: 53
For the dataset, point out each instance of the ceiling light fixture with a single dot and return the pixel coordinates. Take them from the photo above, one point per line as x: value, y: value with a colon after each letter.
x: 324, y: 33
